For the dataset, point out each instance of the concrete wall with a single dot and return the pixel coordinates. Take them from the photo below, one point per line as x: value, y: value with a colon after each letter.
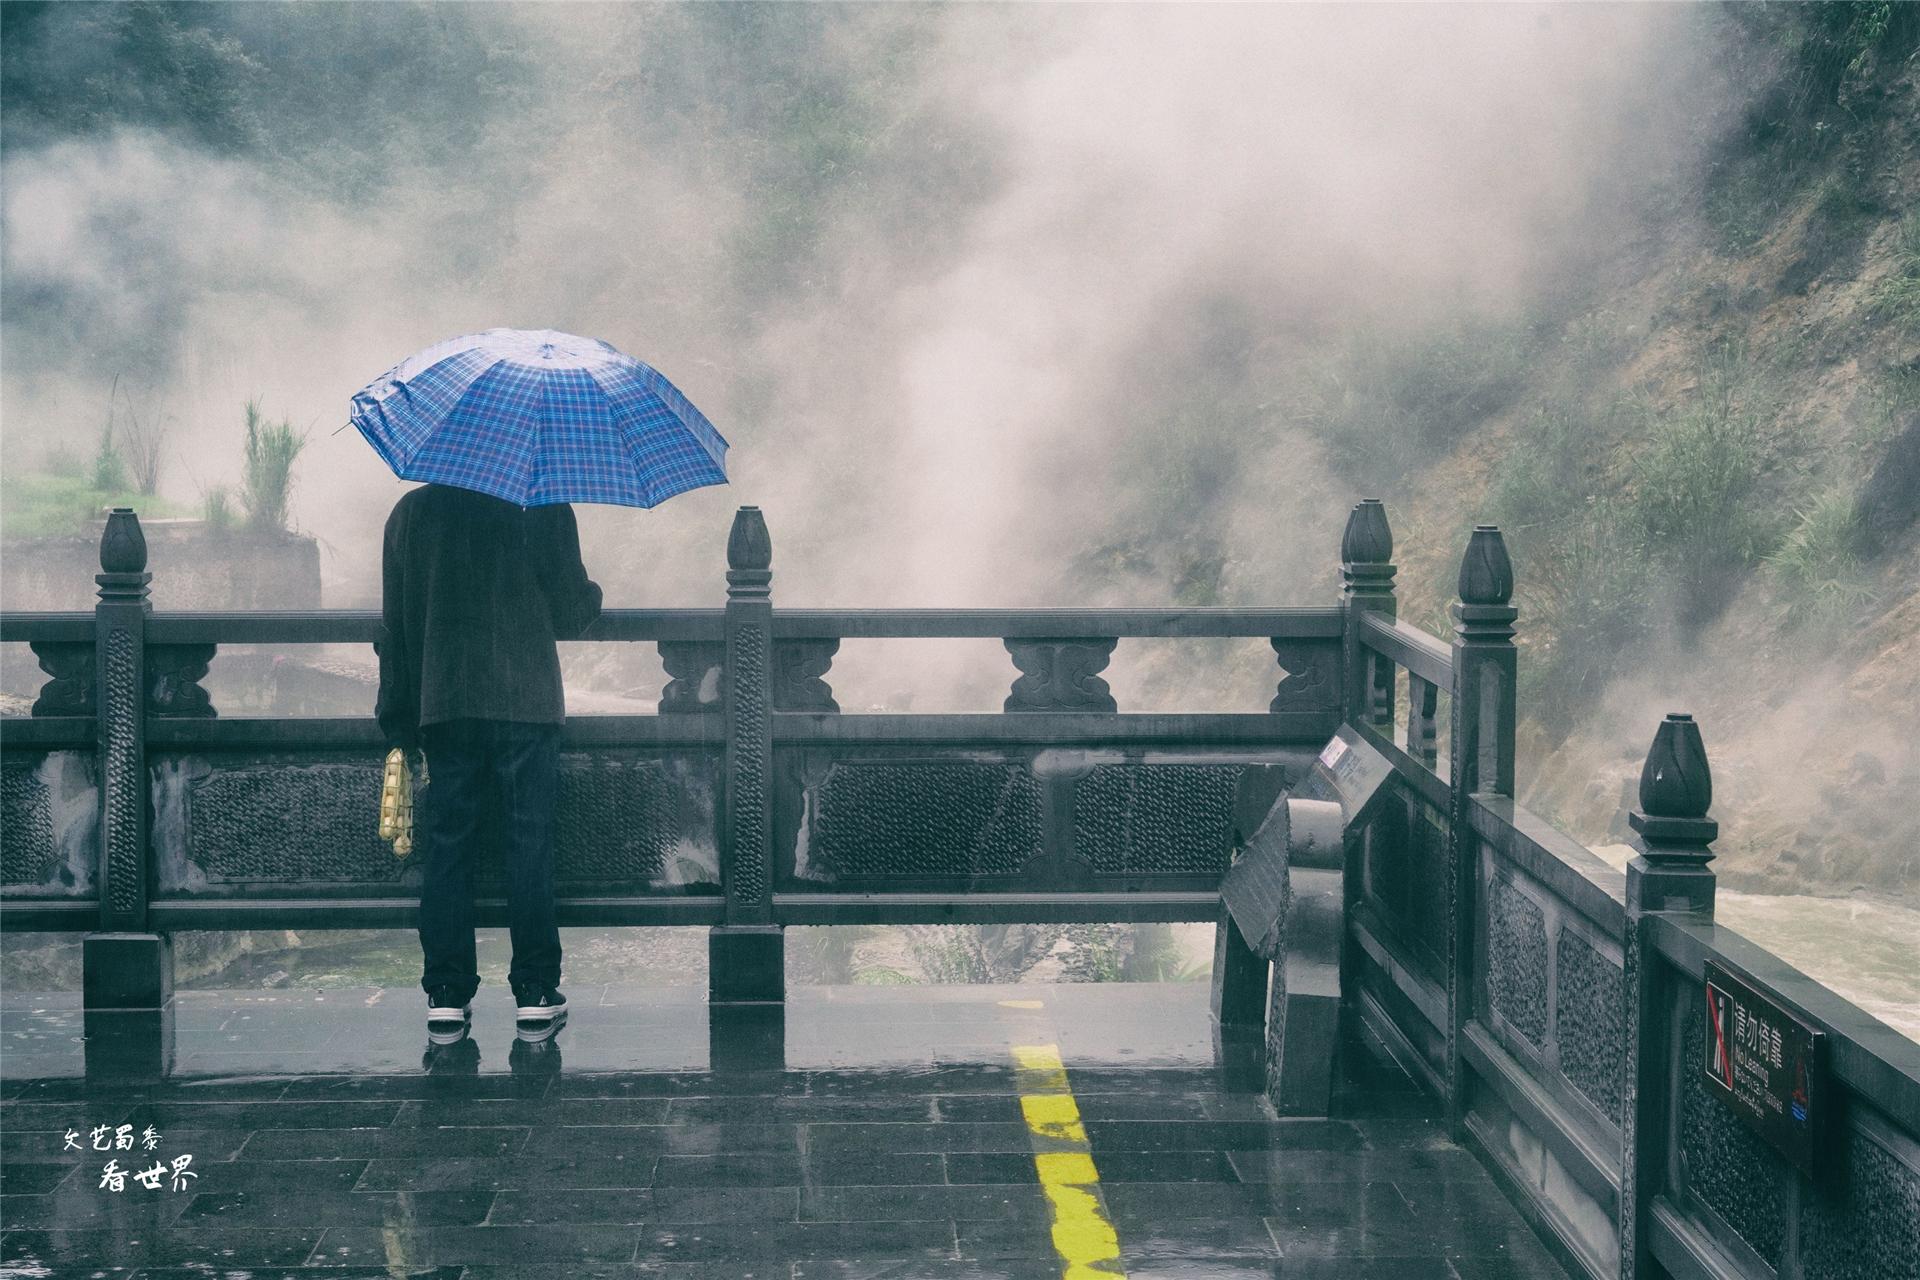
x: 193, y: 568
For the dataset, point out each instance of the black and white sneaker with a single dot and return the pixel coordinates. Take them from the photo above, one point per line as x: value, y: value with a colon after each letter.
x: 447, y: 1022
x: 539, y: 1004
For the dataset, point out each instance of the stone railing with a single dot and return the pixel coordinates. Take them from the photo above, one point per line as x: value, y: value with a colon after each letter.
x: 749, y: 802
x: 1559, y: 1006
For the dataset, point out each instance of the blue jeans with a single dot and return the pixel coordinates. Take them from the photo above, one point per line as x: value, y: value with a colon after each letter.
x: 522, y: 763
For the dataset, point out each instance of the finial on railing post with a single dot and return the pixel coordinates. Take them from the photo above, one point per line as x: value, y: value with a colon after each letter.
x: 749, y: 556
x: 1366, y: 572
x: 1366, y: 550
x: 1676, y: 835
x: 1486, y: 571
x: 123, y: 572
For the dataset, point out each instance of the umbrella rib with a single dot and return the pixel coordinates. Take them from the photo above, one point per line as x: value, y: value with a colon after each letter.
x: 536, y: 471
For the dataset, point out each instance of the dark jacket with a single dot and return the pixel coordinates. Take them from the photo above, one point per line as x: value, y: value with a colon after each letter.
x: 474, y: 592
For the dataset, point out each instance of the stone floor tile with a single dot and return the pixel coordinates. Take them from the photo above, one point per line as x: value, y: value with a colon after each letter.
x: 386, y: 1142
x: 441, y: 1246
x: 884, y: 1170
x: 937, y: 1203
x: 231, y: 1247
x: 302, y: 1206
x: 373, y: 1272
x: 745, y: 1241
x: 452, y: 1173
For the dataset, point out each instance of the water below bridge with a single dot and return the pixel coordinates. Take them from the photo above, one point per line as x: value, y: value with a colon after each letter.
x: 985, y: 1133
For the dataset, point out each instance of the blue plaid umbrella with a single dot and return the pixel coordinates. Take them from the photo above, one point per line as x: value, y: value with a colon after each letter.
x: 536, y: 416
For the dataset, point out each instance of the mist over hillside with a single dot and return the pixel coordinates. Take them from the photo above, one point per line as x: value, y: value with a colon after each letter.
x: 1083, y: 305
x: 973, y: 291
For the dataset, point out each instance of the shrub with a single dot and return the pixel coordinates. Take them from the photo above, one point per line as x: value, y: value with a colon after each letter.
x: 1818, y: 572
x: 1898, y: 296
x: 268, y: 476
x: 109, y: 468
x: 64, y: 460
x: 217, y: 509
x: 962, y: 953
x: 1584, y: 592
x: 141, y: 438
x: 44, y: 505
x: 1695, y: 489
x: 1541, y: 478
x: 1389, y: 400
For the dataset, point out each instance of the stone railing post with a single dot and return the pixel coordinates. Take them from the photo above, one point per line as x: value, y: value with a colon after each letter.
x: 1676, y: 837
x: 746, y: 959
x: 124, y: 964
x: 1240, y: 975
x: 1366, y: 574
x: 1480, y: 759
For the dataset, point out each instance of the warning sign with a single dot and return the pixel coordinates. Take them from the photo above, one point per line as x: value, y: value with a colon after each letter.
x: 1766, y: 1064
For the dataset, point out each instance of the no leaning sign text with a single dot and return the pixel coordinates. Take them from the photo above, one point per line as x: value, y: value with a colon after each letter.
x: 1764, y: 1063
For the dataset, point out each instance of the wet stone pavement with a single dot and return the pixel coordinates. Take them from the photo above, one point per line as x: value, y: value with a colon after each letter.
x: 958, y: 1133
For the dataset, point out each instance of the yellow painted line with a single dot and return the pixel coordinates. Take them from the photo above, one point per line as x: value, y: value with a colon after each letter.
x: 1088, y: 1246
x: 1022, y: 1004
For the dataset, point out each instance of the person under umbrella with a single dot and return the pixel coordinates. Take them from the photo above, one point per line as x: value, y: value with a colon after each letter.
x: 481, y: 575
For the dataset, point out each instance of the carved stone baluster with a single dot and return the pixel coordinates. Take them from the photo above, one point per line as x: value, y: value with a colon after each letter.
x: 1060, y: 675
x: 697, y: 671
x: 799, y: 675
x: 174, y: 673
x: 1423, y: 707
x: 1311, y: 679
x: 70, y: 690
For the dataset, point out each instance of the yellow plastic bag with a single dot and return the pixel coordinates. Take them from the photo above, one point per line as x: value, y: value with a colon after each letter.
x: 396, y: 804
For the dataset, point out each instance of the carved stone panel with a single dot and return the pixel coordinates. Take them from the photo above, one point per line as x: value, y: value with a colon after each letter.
x: 628, y: 824
x: 1517, y: 959
x: 1590, y: 1020
x: 799, y: 670
x: 49, y: 824
x: 936, y: 818
x: 1310, y: 678
x: 1865, y: 1223
x: 27, y: 854
x: 620, y: 824
x: 1156, y: 819
x: 69, y: 692
x: 1060, y: 675
x: 1727, y: 1165
x: 288, y: 820
x: 1404, y: 877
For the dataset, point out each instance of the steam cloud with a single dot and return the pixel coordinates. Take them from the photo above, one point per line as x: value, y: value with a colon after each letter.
x: 992, y: 351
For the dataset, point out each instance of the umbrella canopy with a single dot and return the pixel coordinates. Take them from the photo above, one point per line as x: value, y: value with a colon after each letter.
x: 536, y: 416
